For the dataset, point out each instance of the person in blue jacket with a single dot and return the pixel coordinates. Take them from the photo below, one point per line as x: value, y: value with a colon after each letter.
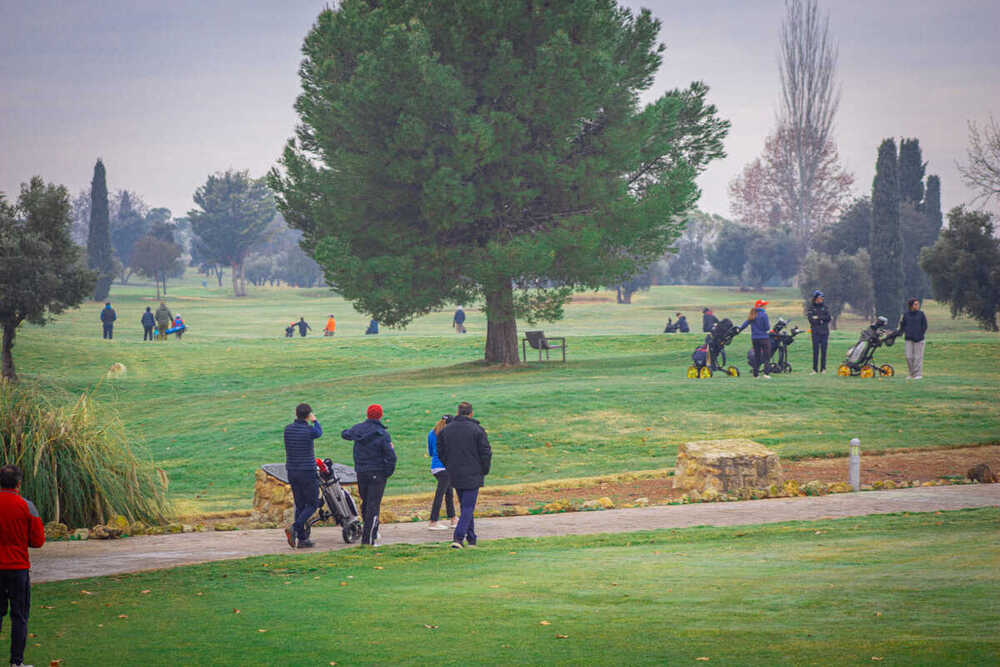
x: 300, y: 464
x: 148, y: 322
x: 759, y: 328
x: 108, y: 317
x: 374, y: 462
x: 444, y: 489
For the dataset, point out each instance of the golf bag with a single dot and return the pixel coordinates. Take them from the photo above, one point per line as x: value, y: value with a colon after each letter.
x: 335, y: 503
x: 711, y: 356
x: 781, y: 337
x: 860, y: 358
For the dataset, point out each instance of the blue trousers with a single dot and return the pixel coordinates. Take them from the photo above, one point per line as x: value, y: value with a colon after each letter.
x: 305, y: 490
x: 466, y: 527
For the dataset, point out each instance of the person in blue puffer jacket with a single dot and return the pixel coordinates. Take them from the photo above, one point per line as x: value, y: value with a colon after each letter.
x: 444, y: 489
x: 760, y: 325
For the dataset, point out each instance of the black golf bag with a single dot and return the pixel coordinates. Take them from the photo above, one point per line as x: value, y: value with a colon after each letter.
x: 335, y: 503
x: 781, y: 337
x: 711, y: 356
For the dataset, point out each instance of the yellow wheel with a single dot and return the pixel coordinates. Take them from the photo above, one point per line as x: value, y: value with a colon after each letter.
x: 887, y: 370
x: 706, y: 372
x: 844, y: 371
x: 733, y: 371
x: 867, y: 371
x: 692, y: 372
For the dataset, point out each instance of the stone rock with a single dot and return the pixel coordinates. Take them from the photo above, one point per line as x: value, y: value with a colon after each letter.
x: 981, y: 473
x: 725, y: 466
x: 55, y: 530
x: 81, y: 534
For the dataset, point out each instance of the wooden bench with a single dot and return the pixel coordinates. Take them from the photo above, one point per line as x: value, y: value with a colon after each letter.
x: 538, y: 341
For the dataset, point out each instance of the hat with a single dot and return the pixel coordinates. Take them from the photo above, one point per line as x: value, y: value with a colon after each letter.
x: 374, y: 411
x: 760, y: 303
x: 817, y: 293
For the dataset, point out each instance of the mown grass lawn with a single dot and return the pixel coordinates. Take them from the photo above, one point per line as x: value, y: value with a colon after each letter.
x: 211, y: 407
x: 899, y: 589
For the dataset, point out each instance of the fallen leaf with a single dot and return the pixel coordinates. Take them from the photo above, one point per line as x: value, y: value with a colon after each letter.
x: 145, y: 592
x: 100, y: 625
x: 122, y: 615
x: 495, y: 586
x: 876, y: 657
x: 32, y: 635
x: 544, y: 623
x: 236, y: 611
x: 85, y: 593
x: 431, y: 627
x: 343, y: 583
x: 511, y: 553
x: 55, y: 663
x: 562, y: 636
x: 379, y: 567
x: 47, y: 606
x: 261, y: 630
x: 878, y: 613
x: 703, y: 659
x: 199, y: 593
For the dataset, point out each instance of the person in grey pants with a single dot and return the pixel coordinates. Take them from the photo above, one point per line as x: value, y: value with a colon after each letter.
x: 913, y: 327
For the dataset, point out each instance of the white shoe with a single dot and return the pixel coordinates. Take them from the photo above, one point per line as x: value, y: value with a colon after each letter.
x: 918, y: 377
x: 437, y: 526
x: 814, y: 373
x: 909, y: 377
x: 766, y: 376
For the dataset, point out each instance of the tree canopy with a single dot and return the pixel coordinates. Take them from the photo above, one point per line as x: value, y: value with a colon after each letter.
x: 886, y: 243
x: 41, y: 270
x: 449, y: 152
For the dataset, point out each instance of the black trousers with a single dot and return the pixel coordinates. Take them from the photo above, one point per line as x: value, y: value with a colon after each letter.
x: 15, y: 592
x: 147, y: 333
x: 761, y: 355
x: 819, y: 351
x: 371, y: 486
x: 305, y: 491
x: 109, y: 330
x: 443, y: 492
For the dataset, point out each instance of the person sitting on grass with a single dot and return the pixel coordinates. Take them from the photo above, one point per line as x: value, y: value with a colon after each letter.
x: 300, y: 464
x: 20, y: 528
x: 465, y: 451
x: 444, y: 490
x: 374, y: 462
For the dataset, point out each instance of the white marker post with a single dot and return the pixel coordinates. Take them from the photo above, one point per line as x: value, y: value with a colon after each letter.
x: 854, y: 473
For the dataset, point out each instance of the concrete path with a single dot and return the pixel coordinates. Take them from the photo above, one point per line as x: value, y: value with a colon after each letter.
x: 72, y: 560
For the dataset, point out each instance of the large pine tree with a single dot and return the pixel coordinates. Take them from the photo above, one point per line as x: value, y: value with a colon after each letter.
x: 99, y: 255
x: 886, y: 243
x: 450, y: 152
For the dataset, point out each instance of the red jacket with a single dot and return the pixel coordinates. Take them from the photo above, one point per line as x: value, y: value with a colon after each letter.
x: 20, y: 527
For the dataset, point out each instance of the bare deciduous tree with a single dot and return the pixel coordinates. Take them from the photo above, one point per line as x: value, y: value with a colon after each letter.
x: 809, y: 100
x: 982, y: 171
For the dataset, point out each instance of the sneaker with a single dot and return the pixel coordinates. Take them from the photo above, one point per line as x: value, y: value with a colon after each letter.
x: 437, y: 526
x: 306, y: 544
x: 918, y: 377
x: 766, y: 376
x: 290, y: 536
x: 814, y: 373
x: 909, y: 377
x: 456, y: 545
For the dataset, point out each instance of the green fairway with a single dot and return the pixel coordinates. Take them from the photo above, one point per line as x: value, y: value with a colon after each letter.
x: 211, y: 407
x: 909, y: 590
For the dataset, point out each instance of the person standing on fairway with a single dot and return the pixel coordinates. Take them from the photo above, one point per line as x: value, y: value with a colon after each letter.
x: 148, y: 322
x: 108, y: 317
x: 913, y: 326
x: 20, y: 528
x: 300, y: 464
x: 819, y: 326
x: 303, y: 327
x: 374, y: 462
x: 163, y: 319
x: 759, y: 328
x: 444, y: 490
x: 465, y: 451
x: 708, y: 320
x: 459, y: 320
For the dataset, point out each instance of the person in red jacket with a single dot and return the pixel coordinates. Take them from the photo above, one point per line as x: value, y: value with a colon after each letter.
x: 20, y: 528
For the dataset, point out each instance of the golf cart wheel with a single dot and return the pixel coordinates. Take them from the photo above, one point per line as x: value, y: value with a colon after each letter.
x: 733, y: 371
x: 867, y: 371
x: 844, y: 370
x: 705, y: 372
x: 352, y: 532
x: 887, y: 370
x: 786, y: 367
x: 692, y: 372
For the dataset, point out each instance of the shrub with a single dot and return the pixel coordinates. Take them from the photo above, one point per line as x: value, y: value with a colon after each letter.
x: 78, y: 466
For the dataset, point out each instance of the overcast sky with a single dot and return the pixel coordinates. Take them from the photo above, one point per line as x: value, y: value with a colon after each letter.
x: 168, y: 92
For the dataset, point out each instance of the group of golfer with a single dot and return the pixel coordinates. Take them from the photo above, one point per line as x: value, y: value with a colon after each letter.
x: 460, y: 460
x: 912, y: 326
x: 154, y: 325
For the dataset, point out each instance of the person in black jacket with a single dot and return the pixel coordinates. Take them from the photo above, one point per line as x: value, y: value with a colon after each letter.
x: 108, y: 317
x: 303, y: 326
x: 148, y: 322
x: 374, y: 462
x: 708, y: 320
x: 465, y: 452
x: 819, y: 323
x: 300, y: 464
x: 913, y: 326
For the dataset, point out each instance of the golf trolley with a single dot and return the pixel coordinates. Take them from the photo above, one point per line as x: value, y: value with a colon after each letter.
x: 711, y: 357
x: 335, y: 503
x: 860, y: 358
x: 781, y: 338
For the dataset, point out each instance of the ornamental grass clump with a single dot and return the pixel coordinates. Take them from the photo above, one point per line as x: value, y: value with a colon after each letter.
x: 79, y: 468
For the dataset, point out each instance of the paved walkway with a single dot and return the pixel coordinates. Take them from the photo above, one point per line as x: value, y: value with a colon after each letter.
x: 72, y: 560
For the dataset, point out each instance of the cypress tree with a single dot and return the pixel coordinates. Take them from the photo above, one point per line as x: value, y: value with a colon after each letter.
x: 886, y: 243
x: 932, y: 207
x: 99, y: 257
x: 911, y: 171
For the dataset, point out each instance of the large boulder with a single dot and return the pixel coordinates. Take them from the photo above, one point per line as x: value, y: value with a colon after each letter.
x: 725, y: 466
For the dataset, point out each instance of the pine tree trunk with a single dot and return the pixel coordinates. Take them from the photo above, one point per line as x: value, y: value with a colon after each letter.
x: 8, y: 349
x: 618, y: 294
x: 501, y: 327
x: 243, y: 278
x: 234, y: 268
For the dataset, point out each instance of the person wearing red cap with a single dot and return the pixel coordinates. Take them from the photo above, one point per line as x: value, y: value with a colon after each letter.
x: 20, y: 528
x: 374, y: 462
x: 759, y: 336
